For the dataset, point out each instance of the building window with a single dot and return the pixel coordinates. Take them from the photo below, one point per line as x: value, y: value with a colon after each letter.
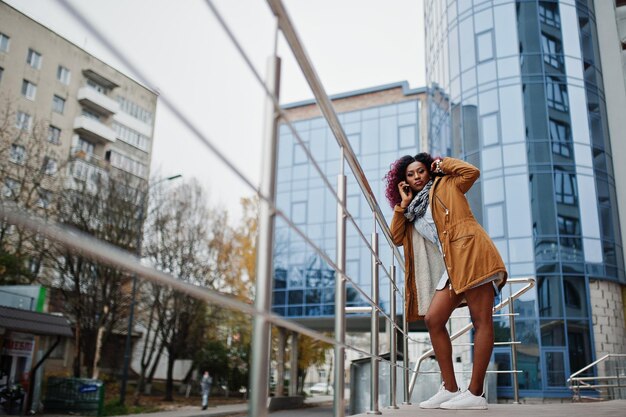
x: 54, y: 135
x: 561, y: 137
x: 552, y: 51
x: 1, y: 73
x: 50, y: 166
x: 11, y: 188
x: 484, y: 46
x: 549, y: 14
x: 299, y: 156
x: 565, y: 187
x: 23, y: 120
x: 4, y: 43
x: 90, y: 114
x: 33, y: 58
x: 556, y: 94
x: 134, y: 110
x: 490, y: 129
x: 299, y: 212
x: 131, y: 136
x: 29, y: 90
x: 63, y: 75
x: 407, y: 136
x: 85, y: 146
x: 17, y: 154
x: 127, y: 164
x: 58, y: 104
x: 97, y: 86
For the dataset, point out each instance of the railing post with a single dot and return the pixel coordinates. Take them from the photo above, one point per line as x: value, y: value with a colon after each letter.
x: 513, y: 348
x: 393, y: 348
x: 259, y: 367
x: 405, y: 348
x: 340, y: 295
x: 374, y: 362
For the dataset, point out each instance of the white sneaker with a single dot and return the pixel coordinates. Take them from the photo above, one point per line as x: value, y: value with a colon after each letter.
x: 441, y: 396
x: 465, y: 401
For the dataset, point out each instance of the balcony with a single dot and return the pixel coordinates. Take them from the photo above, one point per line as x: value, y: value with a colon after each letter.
x: 101, y: 103
x: 94, y: 130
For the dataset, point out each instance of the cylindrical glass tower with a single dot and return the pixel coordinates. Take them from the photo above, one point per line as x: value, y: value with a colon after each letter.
x: 517, y: 90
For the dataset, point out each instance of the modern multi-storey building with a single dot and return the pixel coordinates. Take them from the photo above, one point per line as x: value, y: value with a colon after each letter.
x: 98, y: 118
x: 382, y: 123
x: 520, y: 89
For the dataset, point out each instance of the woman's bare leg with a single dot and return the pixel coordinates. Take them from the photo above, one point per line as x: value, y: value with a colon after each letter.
x: 441, y: 307
x: 480, y: 303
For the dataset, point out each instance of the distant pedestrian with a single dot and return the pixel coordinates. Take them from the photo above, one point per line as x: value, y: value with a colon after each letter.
x: 205, y: 384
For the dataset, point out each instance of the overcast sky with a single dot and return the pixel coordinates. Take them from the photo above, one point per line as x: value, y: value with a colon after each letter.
x: 179, y: 47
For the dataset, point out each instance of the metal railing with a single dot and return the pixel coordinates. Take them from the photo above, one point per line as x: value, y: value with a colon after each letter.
x: 530, y: 283
x: 268, y: 212
x: 599, y: 383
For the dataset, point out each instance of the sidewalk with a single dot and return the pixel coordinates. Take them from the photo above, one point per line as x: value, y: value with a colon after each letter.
x: 233, y: 410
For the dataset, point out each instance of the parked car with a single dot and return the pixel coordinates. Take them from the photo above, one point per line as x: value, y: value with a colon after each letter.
x: 321, y: 388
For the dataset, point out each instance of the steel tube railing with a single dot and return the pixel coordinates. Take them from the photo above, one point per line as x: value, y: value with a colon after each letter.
x: 340, y: 296
x: 259, y: 373
x: 374, y: 364
x: 393, y: 347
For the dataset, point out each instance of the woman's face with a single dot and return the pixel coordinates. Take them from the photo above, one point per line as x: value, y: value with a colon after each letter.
x: 417, y: 176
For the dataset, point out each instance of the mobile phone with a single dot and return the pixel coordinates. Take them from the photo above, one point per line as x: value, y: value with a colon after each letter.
x: 406, y: 189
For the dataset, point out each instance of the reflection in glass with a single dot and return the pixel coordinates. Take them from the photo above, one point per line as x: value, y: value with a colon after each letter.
x: 579, y: 346
x: 575, y: 293
x: 549, y: 14
x: 552, y: 332
x: 565, y: 187
x: 503, y: 363
x: 549, y: 296
x: 528, y: 354
x: 561, y: 138
x: 552, y: 51
x: 556, y: 94
x: 555, y: 369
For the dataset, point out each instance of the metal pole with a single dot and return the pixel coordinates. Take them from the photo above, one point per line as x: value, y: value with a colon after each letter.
x: 513, y: 349
x: 340, y: 295
x: 374, y: 327
x: 259, y: 366
x: 405, y: 349
x: 133, y: 297
x: 393, y: 348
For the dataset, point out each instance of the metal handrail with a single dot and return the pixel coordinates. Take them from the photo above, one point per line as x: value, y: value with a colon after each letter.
x: 576, y: 383
x: 530, y: 284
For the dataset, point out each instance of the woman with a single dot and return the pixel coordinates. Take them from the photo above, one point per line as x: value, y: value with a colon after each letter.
x: 450, y: 261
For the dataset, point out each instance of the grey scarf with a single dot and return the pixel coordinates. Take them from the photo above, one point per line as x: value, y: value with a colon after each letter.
x: 418, y: 206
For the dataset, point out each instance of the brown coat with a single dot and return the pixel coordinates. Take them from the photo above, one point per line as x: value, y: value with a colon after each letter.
x: 469, y: 254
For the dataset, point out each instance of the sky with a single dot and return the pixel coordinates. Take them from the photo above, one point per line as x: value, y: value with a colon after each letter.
x: 179, y: 47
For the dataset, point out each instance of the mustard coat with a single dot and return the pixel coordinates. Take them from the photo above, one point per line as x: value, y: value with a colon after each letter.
x: 469, y: 254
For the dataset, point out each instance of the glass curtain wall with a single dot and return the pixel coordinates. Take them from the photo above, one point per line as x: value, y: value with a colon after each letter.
x: 304, y: 285
x: 517, y: 91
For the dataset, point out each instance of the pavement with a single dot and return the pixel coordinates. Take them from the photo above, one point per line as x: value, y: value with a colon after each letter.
x: 321, y: 406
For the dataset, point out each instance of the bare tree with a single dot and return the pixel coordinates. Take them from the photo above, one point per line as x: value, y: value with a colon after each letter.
x: 30, y: 171
x: 106, y: 205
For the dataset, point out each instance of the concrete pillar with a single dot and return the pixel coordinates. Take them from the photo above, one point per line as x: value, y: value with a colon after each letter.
x: 293, y: 383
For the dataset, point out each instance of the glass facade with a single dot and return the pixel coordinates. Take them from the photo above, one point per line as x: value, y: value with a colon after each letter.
x: 304, y: 284
x: 517, y: 91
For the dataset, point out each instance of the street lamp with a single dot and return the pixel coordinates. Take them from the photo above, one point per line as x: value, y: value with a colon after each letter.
x: 142, y: 208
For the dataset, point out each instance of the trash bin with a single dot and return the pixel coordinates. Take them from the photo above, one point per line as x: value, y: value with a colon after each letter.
x: 77, y: 395
x: 360, y: 371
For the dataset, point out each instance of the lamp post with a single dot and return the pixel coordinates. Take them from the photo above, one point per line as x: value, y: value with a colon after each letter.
x: 131, y: 315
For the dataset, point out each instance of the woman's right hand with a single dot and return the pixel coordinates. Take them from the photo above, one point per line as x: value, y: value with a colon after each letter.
x: 406, y: 193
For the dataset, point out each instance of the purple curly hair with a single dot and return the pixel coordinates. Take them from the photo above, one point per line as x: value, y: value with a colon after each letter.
x: 397, y: 173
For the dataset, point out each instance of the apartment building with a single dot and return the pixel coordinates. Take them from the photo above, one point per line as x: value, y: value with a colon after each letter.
x: 100, y: 119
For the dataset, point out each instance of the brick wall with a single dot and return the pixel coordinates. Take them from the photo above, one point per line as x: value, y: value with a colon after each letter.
x: 607, y: 312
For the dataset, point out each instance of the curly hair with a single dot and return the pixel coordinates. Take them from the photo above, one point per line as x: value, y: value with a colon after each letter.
x: 397, y: 173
